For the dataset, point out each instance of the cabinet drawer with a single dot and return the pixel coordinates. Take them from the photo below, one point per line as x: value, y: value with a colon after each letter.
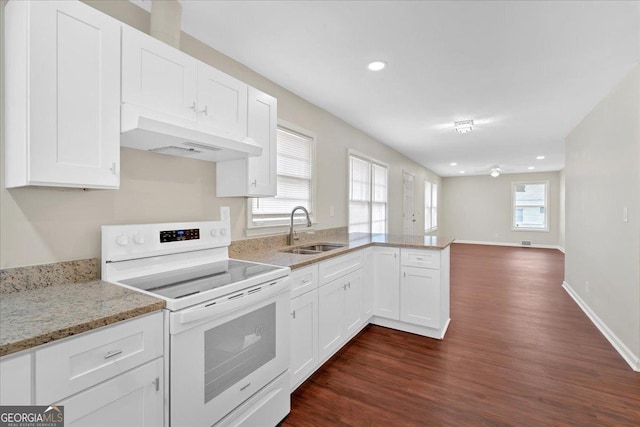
x: 418, y: 258
x: 304, y: 280
x: 340, y: 266
x: 81, y: 362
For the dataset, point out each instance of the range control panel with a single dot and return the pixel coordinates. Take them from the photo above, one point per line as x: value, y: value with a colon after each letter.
x: 179, y: 235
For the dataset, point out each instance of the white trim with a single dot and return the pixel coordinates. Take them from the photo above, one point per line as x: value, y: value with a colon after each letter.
x: 409, y: 327
x: 621, y: 348
x: 278, y: 229
x: 515, y: 245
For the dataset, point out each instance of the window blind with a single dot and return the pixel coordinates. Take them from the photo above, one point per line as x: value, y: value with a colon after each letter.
x: 294, y: 186
x: 367, y: 196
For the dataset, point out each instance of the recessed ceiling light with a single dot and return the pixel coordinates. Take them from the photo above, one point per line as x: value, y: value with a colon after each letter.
x: 463, y: 126
x: 540, y: 158
x: 461, y: 171
x: 376, y: 65
x: 531, y: 168
x: 453, y: 164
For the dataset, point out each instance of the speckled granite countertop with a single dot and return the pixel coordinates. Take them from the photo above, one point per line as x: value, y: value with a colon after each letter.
x: 38, y: 316
x: 353, y: 242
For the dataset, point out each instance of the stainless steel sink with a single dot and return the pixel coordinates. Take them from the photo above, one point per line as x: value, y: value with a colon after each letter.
x: 317, y: 248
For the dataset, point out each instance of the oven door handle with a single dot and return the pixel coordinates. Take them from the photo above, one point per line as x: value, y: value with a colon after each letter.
x: 232, y: 302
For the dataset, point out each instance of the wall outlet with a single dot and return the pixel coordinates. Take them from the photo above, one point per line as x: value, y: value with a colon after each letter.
x: 526, y: 243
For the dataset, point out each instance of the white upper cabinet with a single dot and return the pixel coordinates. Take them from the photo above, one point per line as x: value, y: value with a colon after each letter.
x: 158, y: 77
x: 171, y: 86
x: 254, y: 176
x: 222, y: 102
x: 62, y: 87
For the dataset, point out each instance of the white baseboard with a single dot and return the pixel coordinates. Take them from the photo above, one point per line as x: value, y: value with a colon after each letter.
x: 627, y: 355
x: 515, y: 245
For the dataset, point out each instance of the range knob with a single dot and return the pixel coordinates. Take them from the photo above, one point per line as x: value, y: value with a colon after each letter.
x: 223, y: 231
x: 214, y: 232
x: 138, y: 239
x: 122, y: 240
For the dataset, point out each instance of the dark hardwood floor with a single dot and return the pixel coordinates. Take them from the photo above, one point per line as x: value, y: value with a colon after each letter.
x: 519, y: 352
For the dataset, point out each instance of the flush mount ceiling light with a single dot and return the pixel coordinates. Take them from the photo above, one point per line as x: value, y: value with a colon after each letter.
x: 495, y: 171
x: 453, y: 164
x: 540, y: 158
x: 531, y: 168
x: 461, y: 171
x: 463, y: 126
x: 376, y: 65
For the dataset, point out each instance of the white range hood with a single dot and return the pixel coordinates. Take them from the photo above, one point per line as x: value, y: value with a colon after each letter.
x: 148, y: 130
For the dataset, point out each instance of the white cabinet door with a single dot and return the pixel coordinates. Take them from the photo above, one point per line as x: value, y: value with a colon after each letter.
x: 304, y: 337
x: 420, y: 296
x: 263, y: 120
x: 330, y: 314
x: 158, y: 77
x: 255, y: 176
x: 15, y: 380
x: 132, y: 399
x: 367, y: 285
x: 222, y: 102
x: 63, y: 86
x: 352, y: 319
x: 386, y: 271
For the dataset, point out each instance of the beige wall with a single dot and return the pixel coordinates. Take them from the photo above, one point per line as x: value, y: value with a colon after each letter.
x: 41, y: 225
x: 602, y: 178
x: 562, y: 210
x: 478, y: 208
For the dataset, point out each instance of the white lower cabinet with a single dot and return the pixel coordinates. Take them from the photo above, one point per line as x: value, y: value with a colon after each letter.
x: 304, y: 337
x: 15, y: 380
x: 367, y: 284
x: 134, y: 399
x: 339, y: 308
x: 420, y: 296
x: 386, y: 272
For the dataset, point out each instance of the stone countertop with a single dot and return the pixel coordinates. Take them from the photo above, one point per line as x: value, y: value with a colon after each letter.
x: 33, y: 317
x: 353, y: 242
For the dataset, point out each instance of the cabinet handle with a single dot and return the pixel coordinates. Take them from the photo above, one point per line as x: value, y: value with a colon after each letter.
x: 419, y: 259
x: 395, y: 255
x: 156, y: 382
x: 205, y: 111
x: 112, y: 353
x: 349, y: 285
x: 344, y: 287
x: 404, y: 274
x: 193, y: 106
x: 254, y: 183
x: 114, y: 168
x: 293, y: 314
x: 304, y: 282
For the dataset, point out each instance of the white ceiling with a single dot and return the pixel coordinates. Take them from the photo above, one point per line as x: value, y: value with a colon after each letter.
x: 525, y: 72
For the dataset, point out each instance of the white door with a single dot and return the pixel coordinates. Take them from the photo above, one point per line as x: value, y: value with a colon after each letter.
x: 330, y: 309
x: 158, y: 77
x: 222, y: 102
x: 74, y: 96
x: 304, y: 337
x: 420, y: 296
x: 132, y: 399
x: 352, y: 302
x: 408, y: 208
x: 262, y: 127
x: 386, y: 273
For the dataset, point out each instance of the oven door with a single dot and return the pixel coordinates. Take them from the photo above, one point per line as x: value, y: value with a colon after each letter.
x: 224, y: 351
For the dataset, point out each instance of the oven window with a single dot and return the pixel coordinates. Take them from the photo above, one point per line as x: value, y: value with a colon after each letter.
x: 235, y: 349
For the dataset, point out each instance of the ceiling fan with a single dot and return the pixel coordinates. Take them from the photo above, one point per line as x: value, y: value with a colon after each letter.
x: 494, y: 170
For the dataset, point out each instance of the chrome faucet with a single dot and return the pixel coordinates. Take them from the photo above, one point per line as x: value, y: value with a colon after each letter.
x: 292, y: 234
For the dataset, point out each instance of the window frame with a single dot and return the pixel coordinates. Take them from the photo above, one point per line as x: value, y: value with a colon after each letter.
x: 432, y: 206
x: 372, y: 161
x: 546, y: 206
x: 260, y: 230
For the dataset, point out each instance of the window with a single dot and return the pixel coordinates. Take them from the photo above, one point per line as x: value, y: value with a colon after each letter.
x: 367, y: 195
x: 294, y: 181
x: 530, y: 206
x: 430, y: 206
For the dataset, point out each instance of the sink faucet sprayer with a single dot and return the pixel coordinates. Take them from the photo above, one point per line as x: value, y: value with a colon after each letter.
x: 292, y: 234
